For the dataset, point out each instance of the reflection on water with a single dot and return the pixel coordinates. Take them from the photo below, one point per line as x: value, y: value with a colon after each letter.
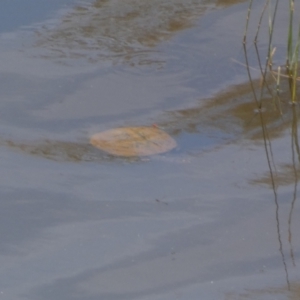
x: 285, y: 176
x: 281, y: 91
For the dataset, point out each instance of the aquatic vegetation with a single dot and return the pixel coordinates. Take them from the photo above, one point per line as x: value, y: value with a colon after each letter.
x: 292, y: 54
x: 133, y: 141
x: 267, y: 68
x: 274, y: 83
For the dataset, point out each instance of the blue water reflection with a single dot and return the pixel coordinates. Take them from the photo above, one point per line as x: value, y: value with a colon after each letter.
x: 18, y: 13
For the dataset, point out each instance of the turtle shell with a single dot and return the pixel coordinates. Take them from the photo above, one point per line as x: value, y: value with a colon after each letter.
x: 133, y: 141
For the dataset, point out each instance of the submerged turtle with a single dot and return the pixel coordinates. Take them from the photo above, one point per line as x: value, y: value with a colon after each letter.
x: 133, y: 141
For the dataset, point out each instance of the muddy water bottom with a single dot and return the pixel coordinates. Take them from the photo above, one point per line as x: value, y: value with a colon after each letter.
x: 198, y: 222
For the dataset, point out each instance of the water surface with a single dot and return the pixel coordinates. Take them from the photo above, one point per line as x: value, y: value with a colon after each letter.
x: 199, y: 222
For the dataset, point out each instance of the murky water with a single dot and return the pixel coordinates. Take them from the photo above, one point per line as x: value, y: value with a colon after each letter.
x: 202, y: 221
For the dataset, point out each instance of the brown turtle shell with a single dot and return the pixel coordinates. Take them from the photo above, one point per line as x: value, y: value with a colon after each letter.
x: 133, y: 141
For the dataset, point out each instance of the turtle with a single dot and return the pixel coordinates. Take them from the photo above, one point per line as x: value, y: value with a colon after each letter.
x: 133, y: 141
